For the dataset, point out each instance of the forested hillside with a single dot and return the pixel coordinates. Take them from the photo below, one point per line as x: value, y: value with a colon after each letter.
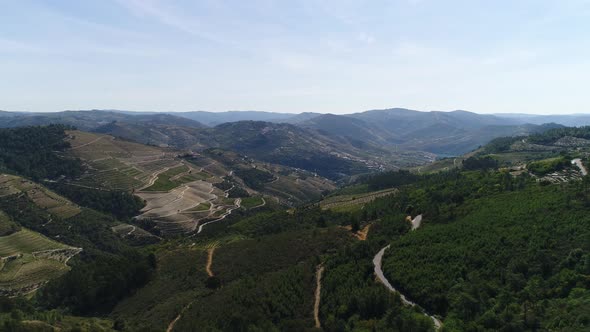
x: 490, y: 245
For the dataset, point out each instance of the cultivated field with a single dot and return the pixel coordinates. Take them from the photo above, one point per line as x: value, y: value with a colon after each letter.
x: 351, y: 202
x: 28, y: 260
x: 178, y: 194
x: 41, y: 196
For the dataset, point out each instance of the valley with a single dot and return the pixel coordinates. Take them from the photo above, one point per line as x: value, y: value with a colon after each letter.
x: 294, y: 166
x: 162, y: 239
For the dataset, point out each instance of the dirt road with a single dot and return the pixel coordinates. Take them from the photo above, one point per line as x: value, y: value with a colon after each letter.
x: 210, y: 252
x: 318, y: 292
x: 229, y: 211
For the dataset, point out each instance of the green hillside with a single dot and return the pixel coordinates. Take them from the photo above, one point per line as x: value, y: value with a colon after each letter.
x: 498, y: 242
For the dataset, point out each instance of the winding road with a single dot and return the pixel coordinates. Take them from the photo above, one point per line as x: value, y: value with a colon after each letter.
x: 377, y: 260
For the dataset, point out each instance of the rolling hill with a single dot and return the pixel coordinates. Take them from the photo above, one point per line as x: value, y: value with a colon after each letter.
x: 175, y: 185
x: 497, y: 245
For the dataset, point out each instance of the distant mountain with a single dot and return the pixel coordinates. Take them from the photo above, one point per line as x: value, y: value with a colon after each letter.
x: 305, y: 148
x: 158, y: 134
x: 442, y: 133
x: 299, y: 118
x: 90, y: 120
x: 570, y: 120
x: 215, y: 118
x: 5, y: 114
x: 358, y: 132
x: 403, y: 121
x: 329, y: 155
x: 332, y: 145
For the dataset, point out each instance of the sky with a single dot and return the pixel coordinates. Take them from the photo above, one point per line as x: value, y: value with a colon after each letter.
x: 336, y: 56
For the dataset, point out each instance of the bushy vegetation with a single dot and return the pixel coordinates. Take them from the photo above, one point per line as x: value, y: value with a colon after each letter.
x: 37, y: 152
x: 7, y: 225
x: 254, y: 178
x: 501, y: 144
x: 480, y: 163
x: 20, y: 315
x: 120, y: 204
x: 497, y: 253
x: 544, y: 167
x: 550, y: 136
x: 237, y: 192
x: 180, y: 278
x: 352, y: 300
x: 250, y: 202
x: 390, y: 179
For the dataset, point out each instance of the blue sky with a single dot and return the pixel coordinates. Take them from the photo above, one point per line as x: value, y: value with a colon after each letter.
x: 338, y: 56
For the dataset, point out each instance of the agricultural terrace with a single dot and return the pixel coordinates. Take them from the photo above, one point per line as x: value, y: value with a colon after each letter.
x: 28, y: 260
x: 351, y: 202
x: 172, y: 188
x: 41, y: 196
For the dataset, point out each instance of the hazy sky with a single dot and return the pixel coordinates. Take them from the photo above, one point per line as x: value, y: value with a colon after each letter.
x: 339, y: 56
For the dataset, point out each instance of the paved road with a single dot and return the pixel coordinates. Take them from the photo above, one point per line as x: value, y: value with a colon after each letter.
x: 381, y: 277
x: 578, y: 162
x: 416, y: 222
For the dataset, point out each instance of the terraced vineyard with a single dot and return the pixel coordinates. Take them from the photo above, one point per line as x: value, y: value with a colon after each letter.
x: 170, y: 187
x: 179, y: 192
x: 28, y: 260
x: 41, y: 196
x: 26, y: 241
x: 352, y: 202
x: 171, y: 179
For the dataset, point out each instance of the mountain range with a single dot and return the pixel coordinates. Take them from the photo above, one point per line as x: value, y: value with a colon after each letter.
x: 358, y: 142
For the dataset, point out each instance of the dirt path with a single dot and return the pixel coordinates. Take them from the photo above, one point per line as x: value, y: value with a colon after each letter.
x: 86, y: 144
x: 318, y: 293
x: 363, y: 233
x: 360, y: 234
x: 210, y: 252
x: 83, y: 186
x: 227, y: 213
x: 259, y: 205
x: 155, y: 175
x: 172, y: 323
x: 377, y: 261
x: 133, y: 228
